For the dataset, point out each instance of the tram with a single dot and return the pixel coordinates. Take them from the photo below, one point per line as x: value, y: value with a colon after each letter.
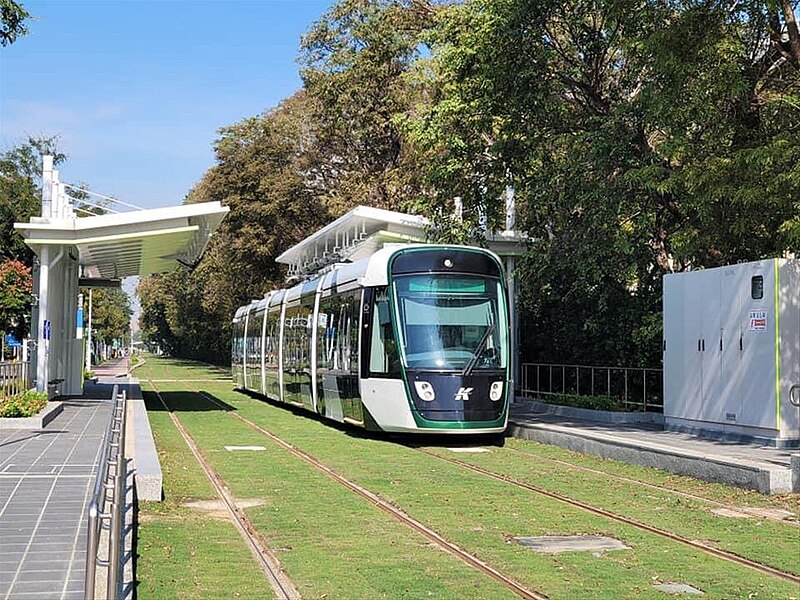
x: 413, y: 339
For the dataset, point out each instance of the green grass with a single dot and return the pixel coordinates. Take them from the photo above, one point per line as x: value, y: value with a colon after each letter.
x: 331, y: 543
x: 182, y: 553
x: 316, y: 521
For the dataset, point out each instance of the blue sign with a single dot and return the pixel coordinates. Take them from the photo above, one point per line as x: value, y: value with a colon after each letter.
x: 46, y: 332
x: 12, y: 342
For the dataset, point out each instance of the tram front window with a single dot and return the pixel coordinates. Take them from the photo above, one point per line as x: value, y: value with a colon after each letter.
x: 451, y: 322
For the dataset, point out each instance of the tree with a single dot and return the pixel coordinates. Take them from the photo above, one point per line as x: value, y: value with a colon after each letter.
x: 263, y: 175
x: 640, y: 138
x: 111, y: 315
x: 355, y: 62
x: 16, y: 285
x: 12, y: 21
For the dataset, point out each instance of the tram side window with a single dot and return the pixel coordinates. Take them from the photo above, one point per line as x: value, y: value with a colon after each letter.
x: 236, y: 351
x: 271, y: 343
x: 383, y: 358
x: 337, y: 333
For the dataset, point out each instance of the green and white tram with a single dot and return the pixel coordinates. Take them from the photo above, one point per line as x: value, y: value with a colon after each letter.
x: 411, y: 339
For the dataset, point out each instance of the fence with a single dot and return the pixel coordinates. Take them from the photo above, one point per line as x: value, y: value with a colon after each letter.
x: 104, y: 537
x: 14, y: 379
x: 639, y: 389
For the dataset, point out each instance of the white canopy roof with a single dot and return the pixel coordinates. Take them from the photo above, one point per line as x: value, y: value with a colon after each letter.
x: 131, y: 243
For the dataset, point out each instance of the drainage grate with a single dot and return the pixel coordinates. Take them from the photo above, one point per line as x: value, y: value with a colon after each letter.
x: 553, y: 544
x: 679, y: 588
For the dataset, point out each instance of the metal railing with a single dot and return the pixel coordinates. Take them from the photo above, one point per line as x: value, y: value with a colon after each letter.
x: 104, y: 536
x: 639, y: 389
x: 14, y: 379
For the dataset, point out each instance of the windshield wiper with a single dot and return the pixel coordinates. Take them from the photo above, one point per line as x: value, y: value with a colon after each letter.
x: 478, y: 351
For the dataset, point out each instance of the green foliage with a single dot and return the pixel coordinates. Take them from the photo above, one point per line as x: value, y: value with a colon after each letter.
x: 25, y: 404
x: 16, y: 284
x: 12, y: 21
x: 111, y: 314
x: 640, y: 138
x: 354, y: 64
x: 591, y: 402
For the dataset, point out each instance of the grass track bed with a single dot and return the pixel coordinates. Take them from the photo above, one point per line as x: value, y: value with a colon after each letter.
x: 181, y: 553
x: 769, y: 542
x: 480, y: 515
x: 330, y: 542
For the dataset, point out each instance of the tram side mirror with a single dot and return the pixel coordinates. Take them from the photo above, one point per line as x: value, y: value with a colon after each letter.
x: 489, y: 356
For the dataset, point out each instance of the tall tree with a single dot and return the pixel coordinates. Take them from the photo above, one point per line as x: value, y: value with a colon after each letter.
x: 12, y: 21
x: 111, y: 315
x: 355, y: 61
x: 640, y: 137
x: 267, y: 173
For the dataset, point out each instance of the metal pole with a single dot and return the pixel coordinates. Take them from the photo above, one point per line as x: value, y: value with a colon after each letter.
x: 88, y: 366
x: 644, y: 389
x: 626, y: 388
x: 91, y: 552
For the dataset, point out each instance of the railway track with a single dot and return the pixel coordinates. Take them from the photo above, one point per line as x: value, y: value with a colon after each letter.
x: 723, y: 554
x: 652, y: 486
x: 283, y: 586
x: 387, y: 507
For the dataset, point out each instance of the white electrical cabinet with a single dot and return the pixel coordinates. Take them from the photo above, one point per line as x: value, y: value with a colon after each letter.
x: 732, y: 350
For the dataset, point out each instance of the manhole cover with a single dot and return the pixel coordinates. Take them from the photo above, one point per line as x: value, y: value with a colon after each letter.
x: 733, y: 514
x: 553, y: 544
x: 678, y: 588
x: 772, y: 513
x: 245, y: 448
x: 216, y: 505
x: 473, y: 450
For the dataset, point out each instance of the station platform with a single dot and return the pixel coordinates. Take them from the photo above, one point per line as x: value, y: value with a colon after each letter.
x: 762, y: 468
x: 46, y: 480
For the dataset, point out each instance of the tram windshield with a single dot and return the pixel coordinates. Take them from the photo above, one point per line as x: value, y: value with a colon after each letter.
x: 451, y: 322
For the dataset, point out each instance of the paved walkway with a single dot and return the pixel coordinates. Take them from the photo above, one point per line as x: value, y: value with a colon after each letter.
x: 764, y: 468
x: 46, y: 478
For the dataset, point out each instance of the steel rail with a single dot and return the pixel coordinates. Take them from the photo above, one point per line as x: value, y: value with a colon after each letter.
x: 725, y: 555
x: 283, y: 586
x: 740, y: 509
x: 387, y: 507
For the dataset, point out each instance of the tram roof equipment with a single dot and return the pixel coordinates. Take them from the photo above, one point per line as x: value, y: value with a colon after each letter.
x: 365, y: 230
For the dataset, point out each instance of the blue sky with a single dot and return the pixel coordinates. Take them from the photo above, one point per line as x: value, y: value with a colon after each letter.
x: 137, y: 90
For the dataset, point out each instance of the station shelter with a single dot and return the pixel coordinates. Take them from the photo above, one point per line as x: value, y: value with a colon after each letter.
x: 365, y: 230
x: 77, y: 247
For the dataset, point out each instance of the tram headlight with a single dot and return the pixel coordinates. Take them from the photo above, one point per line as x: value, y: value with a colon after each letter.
x: 496, y: 391
x: 425, y: 391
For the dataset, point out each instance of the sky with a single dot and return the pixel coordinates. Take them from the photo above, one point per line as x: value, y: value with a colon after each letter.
x: 137, y: 90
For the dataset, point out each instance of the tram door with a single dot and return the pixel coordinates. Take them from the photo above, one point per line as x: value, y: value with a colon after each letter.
x: 292, y: 347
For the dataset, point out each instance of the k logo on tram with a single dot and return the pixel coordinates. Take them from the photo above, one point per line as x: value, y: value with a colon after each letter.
x: 463, y: 394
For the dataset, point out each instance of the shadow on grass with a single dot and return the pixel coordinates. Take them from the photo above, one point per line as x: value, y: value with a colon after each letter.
x: 184, y: 402
x: 446, y: 439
